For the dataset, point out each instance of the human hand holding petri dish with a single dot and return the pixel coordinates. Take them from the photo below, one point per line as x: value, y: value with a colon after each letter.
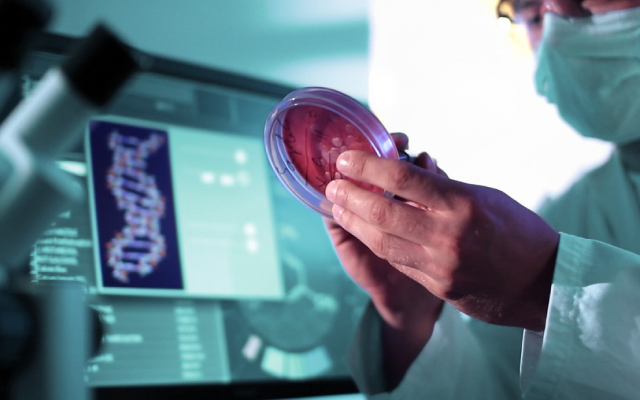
x: 307, y: 131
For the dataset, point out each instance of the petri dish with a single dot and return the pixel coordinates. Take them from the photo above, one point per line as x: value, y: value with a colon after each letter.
x: 307, y: 131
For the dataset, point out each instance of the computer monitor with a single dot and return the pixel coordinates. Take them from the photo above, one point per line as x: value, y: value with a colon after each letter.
x: 210, y: 279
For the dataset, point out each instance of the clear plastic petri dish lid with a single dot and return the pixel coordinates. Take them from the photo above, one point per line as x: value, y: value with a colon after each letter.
x: 307, y: 131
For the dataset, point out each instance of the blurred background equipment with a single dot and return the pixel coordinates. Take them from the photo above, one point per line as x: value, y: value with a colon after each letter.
x: 45, y: 331
x: 210, y: 279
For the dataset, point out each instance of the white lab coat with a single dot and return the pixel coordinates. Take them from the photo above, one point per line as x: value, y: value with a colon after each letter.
x: 590, y: 348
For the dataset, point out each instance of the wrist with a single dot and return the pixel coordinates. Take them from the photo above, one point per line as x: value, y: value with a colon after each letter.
x: 409, y: 307
x: 404, y: 335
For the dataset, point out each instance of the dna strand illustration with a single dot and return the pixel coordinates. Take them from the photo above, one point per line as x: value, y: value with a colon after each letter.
x: 139, y: 246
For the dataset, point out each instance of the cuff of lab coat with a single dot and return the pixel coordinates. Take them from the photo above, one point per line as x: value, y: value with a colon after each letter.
x: 546, y: 355
x: 531, y: 349
x: 589, y: 347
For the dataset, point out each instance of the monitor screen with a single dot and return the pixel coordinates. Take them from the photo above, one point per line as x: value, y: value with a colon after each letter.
x: 210, y: 279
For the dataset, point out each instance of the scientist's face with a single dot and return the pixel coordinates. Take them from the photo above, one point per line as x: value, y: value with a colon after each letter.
x: 531, y: 13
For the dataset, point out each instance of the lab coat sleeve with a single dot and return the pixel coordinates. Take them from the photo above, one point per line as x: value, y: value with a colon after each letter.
x: 453, y: 365
x: 591, y: 343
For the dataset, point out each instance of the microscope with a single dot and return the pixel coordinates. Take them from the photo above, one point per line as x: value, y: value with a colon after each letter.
x: 47, y: 330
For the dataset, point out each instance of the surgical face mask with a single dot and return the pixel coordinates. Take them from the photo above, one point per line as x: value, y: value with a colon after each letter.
x: 590, y: 69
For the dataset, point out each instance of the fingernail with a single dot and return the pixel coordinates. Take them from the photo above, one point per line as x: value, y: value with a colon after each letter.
x: 330, y: 191
x: 344, y: 161
x: 337, y: 212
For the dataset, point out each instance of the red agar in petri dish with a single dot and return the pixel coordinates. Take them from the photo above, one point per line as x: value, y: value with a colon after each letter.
x: 307, y: 131
x: 314, y: 138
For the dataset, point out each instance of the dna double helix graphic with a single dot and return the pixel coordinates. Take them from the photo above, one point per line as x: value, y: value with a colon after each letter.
x: 139, y: 246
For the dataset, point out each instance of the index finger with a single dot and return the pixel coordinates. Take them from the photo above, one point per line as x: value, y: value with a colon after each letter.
x: 400, y: 178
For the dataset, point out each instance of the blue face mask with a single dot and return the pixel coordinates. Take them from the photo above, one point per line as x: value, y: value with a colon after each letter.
x: 590, y: 69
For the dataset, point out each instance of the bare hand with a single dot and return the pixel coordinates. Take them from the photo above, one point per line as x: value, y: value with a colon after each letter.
x: 390, y: 290
x: 472, y: 246
x: 408, y: 310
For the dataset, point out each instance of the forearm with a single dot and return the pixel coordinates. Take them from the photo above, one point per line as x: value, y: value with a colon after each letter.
x: 407, y: 320
x: 403, y: 338
x: 463, y: 359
